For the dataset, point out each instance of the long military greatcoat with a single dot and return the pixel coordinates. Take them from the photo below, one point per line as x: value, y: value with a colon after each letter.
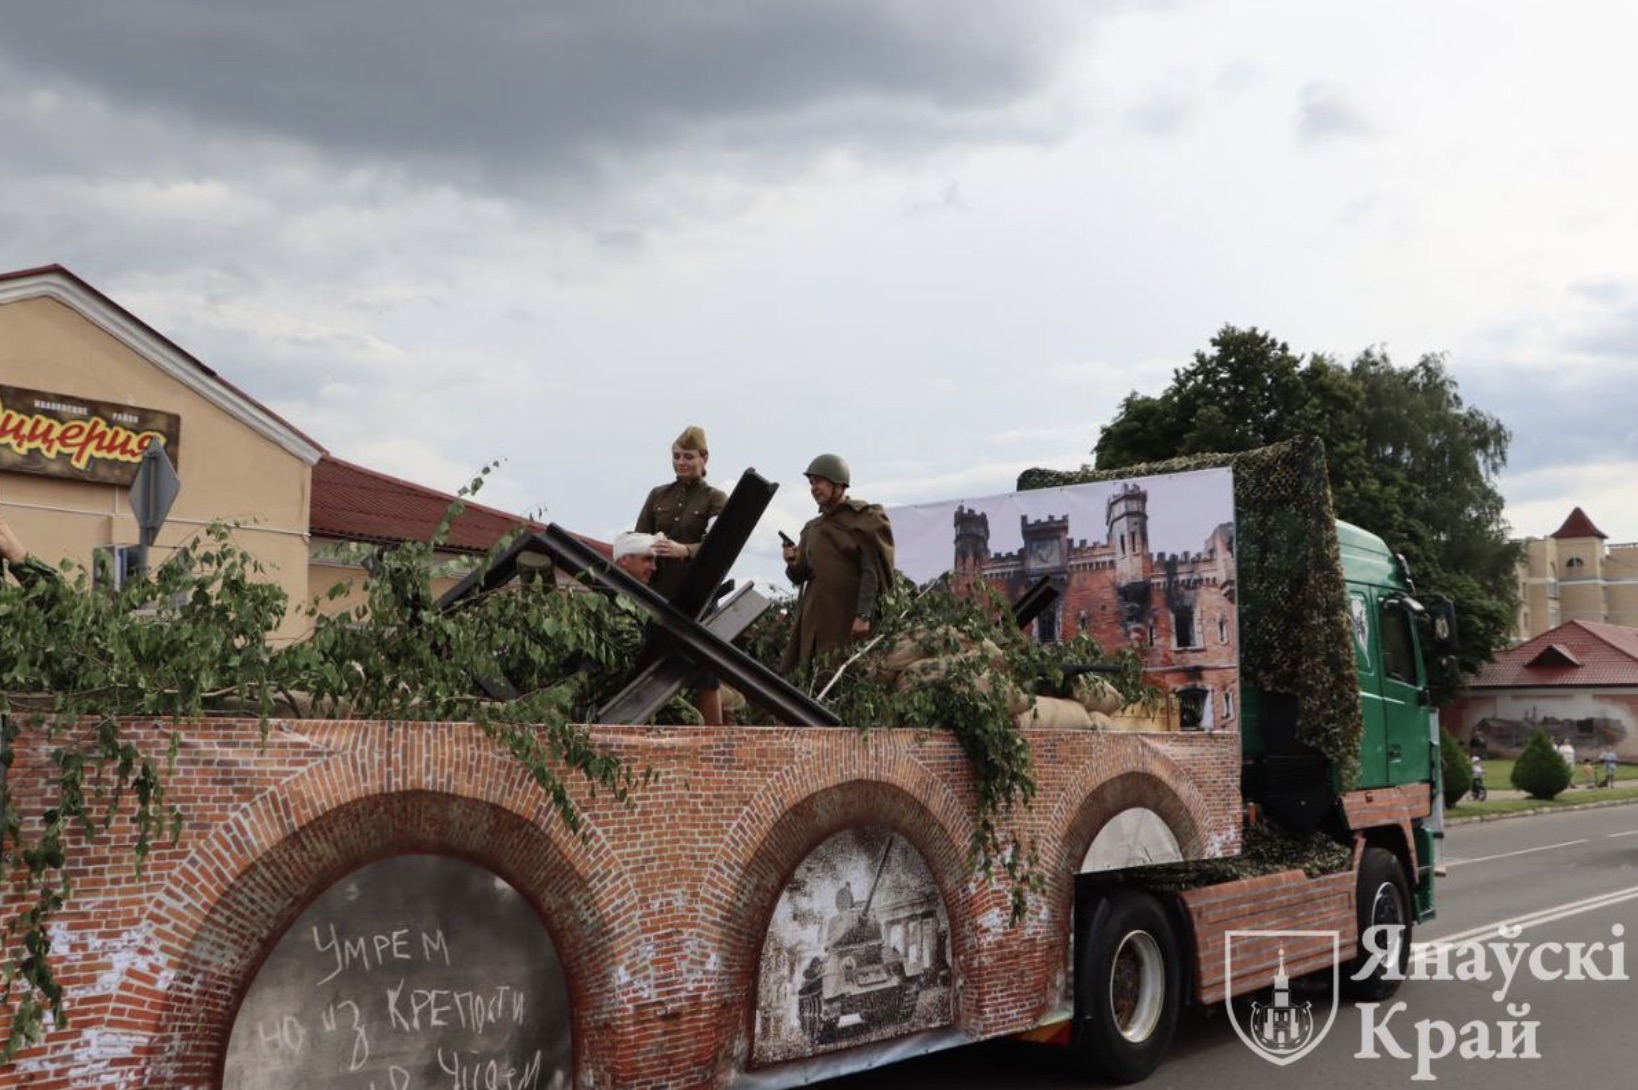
x: 843, y: 561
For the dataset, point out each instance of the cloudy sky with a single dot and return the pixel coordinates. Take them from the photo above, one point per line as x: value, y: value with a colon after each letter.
x: 941, y: 238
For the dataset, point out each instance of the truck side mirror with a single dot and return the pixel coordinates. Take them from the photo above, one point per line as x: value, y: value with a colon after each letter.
x: 1442, y: 623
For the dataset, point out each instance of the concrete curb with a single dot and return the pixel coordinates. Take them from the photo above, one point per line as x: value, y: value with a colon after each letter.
x: 1534, y: 811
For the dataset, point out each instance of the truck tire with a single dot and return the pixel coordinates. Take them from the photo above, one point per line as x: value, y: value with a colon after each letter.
x: 1129, y: 987
x: 1383, y: 897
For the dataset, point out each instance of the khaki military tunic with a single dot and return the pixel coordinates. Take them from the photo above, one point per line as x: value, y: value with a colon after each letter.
x: 682, y: 513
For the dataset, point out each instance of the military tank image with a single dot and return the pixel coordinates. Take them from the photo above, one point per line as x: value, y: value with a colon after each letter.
x: 862, y: 981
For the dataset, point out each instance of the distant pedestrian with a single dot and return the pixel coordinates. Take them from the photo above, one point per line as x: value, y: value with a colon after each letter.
x: 1609, y: 760
x: 1479, y: 744
x: 1566, y: 753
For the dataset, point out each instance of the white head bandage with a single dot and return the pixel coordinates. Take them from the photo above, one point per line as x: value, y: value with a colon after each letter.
x: 634, y: 544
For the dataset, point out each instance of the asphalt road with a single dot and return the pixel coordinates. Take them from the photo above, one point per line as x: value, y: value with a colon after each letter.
x: 1564, y: 878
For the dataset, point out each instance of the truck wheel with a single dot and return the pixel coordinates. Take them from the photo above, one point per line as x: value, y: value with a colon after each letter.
x: 1129, y: 988
x: 1383, y: 897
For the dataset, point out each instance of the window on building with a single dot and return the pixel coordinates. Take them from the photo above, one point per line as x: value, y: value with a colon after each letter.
x: 1222, y: 628
x: 1228, y: 703
x: 1183, y: 627
x: 1574, y: 562
x: 1046, y: 626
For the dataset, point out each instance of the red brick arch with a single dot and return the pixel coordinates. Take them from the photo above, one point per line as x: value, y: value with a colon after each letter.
x: 658, y: 905
x: 317, y: 827
x: 760, y: 877
x: 1158, y: 787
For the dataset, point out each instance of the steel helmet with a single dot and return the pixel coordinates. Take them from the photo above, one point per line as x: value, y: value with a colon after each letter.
x: 832, y: 467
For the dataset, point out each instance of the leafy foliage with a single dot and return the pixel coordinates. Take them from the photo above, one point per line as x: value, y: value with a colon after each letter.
x: 1407, y: 458
x: 1539, y: 771
x: 1454, y: 770
x: 985, y: 672
x: 194, y: 638
x: 527, y: 664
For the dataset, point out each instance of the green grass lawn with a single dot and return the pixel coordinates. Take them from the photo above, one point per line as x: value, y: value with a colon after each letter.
x: 1498, y: 777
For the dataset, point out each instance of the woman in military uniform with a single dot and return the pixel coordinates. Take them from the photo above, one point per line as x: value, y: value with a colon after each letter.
x: 682, y: 511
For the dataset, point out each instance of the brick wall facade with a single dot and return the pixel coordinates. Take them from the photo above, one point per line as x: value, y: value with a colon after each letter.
x: 659, y: 910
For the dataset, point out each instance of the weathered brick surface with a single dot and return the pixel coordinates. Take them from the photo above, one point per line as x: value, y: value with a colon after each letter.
x: 1288, y: 901
x: 658, y: 911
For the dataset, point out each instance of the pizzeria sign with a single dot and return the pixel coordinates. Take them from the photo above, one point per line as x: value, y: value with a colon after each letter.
x: 57, y: 435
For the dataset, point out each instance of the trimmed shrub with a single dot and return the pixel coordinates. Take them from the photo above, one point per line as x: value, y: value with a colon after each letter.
x: 1454, y: 771
x: 1540, y: 772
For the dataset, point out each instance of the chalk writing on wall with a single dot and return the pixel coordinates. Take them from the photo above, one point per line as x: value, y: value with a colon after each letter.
x: 416, y: 971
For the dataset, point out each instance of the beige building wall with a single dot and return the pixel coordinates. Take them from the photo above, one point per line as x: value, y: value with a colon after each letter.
x: 1621, y: 584
x: 1539, y: 601
x: 236, y: 462
x: 326, y: 575
x: 1576, y: 579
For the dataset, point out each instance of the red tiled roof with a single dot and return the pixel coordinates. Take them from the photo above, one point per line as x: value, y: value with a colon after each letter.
x: 352, y: 503
x: 1578, y: 525
x: 1575, y: 654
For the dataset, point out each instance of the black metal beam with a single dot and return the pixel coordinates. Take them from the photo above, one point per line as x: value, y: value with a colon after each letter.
x: 788, y: 703
x: 661, y: 680
x: 721, y: 547
x: 492, y: 574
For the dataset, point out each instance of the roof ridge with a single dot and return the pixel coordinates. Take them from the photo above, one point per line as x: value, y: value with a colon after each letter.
x: 431, y: 493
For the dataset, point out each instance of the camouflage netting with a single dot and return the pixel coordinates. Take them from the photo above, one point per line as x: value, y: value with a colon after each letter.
x: 1265, y: 849
x: 1293, y: 605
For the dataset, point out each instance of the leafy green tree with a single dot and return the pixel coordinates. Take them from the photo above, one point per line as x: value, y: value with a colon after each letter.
x: 1408, y: 459
x: 1540, y: 772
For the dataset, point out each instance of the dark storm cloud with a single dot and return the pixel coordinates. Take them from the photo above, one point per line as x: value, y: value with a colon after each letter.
x: 505, y: 83
x: 1556, y: 416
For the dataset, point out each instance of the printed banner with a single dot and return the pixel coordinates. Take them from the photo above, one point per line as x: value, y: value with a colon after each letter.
x: 58, y: 435
x: 1145, y: 564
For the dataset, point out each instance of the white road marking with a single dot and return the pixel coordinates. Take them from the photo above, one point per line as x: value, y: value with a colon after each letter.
x: 1532, y: 919
x: 1629, y: 832
x: 1509, y: 855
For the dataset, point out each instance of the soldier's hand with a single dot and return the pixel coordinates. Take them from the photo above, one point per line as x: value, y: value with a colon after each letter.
x: 789, y: 553
x: 861, y: 627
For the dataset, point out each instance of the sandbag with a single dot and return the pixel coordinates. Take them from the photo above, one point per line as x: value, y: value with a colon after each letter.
x: 986, y: 665
x: 1097, y: 695
x: 921, y: 647
x: 1055, y: 713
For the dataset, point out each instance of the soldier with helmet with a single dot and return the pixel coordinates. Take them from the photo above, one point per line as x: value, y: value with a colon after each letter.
x: 842, y: 563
